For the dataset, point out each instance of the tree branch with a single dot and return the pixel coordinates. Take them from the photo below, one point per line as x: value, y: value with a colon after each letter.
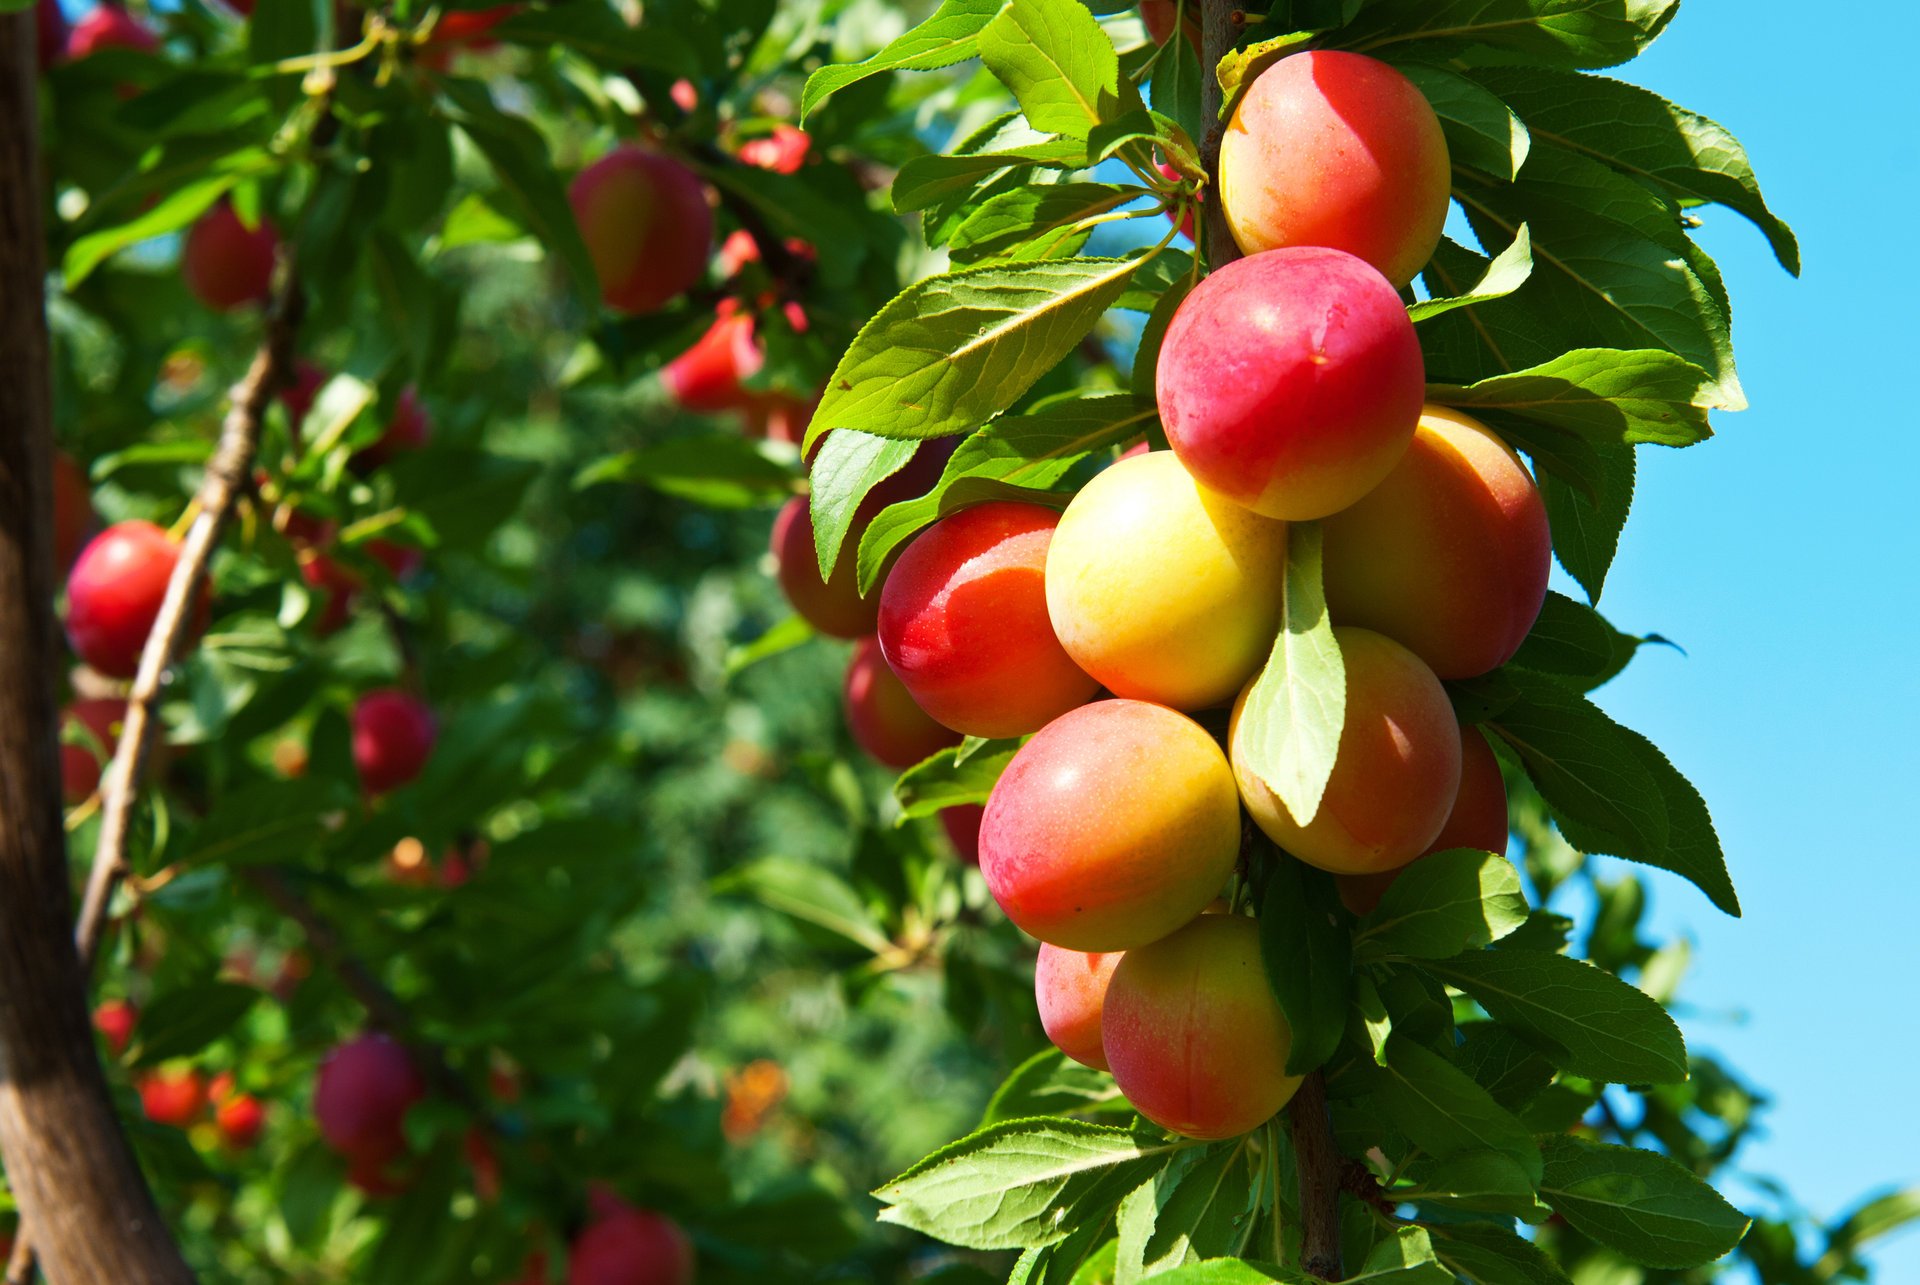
x: 68, y: 1165
x: 1219, y: 31
x: 1317, y: 1164
x: 228, y: 474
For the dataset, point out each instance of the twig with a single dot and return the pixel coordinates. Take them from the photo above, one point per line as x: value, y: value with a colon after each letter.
x: 1317, y: 1163
x: 228, y: 473
x: 1218, y: 32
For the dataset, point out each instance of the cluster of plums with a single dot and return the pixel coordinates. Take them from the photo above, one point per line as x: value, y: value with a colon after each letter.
x: 183, y: 1096
x: 1292, y: 388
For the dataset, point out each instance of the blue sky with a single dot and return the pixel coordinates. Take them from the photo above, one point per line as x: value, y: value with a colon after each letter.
x: 1782, y: 555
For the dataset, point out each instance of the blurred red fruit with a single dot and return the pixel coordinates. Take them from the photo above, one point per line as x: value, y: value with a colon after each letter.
x: 393, y: 734
x: 962, y: 824
x: 114, y: 593
x: 707, y: 378
x: 333, y: 586
x: 361, y: 1098
x: 108, y: 26
x: 82, y: 761
x: 173, y: 1098
x: 628, y: 1246
x: 114, y: 1020
x: 783, y: 151
x: 225, y: 263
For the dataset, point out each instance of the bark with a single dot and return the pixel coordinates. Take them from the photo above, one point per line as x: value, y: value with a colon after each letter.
x: 70, y: 1168
x: 1317, y: 1164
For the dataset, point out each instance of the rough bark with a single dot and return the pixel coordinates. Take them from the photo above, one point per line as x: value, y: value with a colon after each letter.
x: 69, y: 1165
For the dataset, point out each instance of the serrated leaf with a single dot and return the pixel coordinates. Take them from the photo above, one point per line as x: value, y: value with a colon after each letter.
x: 1175, y: 90
x: 941, y: 781
x: 1506, y: 1066
x: 1289, y: 727
x: 1507, y: 272
x: 1482, y: 131
x: 1194, y: 1209
x: 1051, y: 1083
x: 1308, y: 956
x: 1565, y: 33
x: 949, y: 35
x: 1586, y: 1021
x: 1443, y: 904
x: 1645, y: 137
x: 1603, y: 394
x: 1015, y: 457
x: 1641, y: 1204
x: 1403, y: 1258
x: 1572, y: 640
x: 808, y: 892
x: 1586, y: 521
x: 950, y: 351
x: 179, y: 1023
x: 1014, y: 1185
x: 849, y: 464
x: 1058, y: 63
x: 1493, y: 1182
x: 1491, y: 1255
x: 1444, y: 1112
x: 1035, y: 222
x: 927, y: 180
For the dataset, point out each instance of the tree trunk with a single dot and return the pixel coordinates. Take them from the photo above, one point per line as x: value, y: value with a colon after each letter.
x: 82, y: 1197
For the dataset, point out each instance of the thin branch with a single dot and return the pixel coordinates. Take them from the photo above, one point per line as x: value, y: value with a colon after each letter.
x: 1218, y: 33
x: 1317, y: 1163
x: 228, y: 474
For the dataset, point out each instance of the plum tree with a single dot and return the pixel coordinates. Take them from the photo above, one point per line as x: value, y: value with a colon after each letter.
x: 1070, y: 990
x: 361, y: 1098
x: 393, y: 736
x: 624, y: 1245
x: 114, y: 594
x: 647, y: 225
x: 1478, y: 820
x: 225, y: 263
x: 882, y: 715
x: 1291, y: 381
x: 1449, y: 555
x: 963, y: 622
x: 1161, y: 589
x: 1114, y: 825
x: 1192, y: 1032
x: 89, y: 730
x: 1335, y: 149
x: 1396, y: 771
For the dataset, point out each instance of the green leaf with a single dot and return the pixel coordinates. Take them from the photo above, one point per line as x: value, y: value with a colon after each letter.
x: 1016, y: 456
x: 1176, y: 85
x: 523, y: 164
x: 950, y: 351
x: 1231, y: 1271
x: 1493, y: 1182
x: 1491, y: 1255
x: 277, y: 821
x: 1444, y: 1112
x: 722, y: 470
x: 1309, y: 959
x: 597, y: 31
x: 1481, y: 130
x: 1196, y: 1208
x: 1875, y: 1218
x: 849, y: 464
x: 1563, y: 33
x: 1507, y: 272
x: 784, y: 636
x: 1612, y: 267
x: 172, y: 213
x: 1586, y: 523
x: 1403, y: 1258
x: 807, y: 892
x: 1443, y: 904
x: 1641, y: 1204
x: 1573, y: 640
x: 415, y: 307
x: 950, y: 35
x: 1289, y: 728
x: 1602, y: 394
x: 179, y: 1023
x: 1584, y: 764
x: 1058, y: 63
x: 1645, y: 137
x: 1015, y: 1185
x: 1502, y: 1063
x: 1051, y: 1083
x: 1586, y: 1021
x: 926, y: 180
x: 943, y: 781
x: 1035, y: 222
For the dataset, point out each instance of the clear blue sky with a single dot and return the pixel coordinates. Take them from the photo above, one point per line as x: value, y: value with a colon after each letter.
x: 1782, y: 555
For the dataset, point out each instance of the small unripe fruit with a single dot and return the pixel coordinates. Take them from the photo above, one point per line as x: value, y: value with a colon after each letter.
x: 1449, y: 555
x: 238, y: 1117
x: 1163, y: 590
x: 627, y: 1246
x: 72, y: 510
x: 361, y: 1099
x: 225, y: 263
x: 708, y: 377
x: 1193, y: 1034
x: 1478, y: 821
x: 1291, y: 381
x: 1340, y: 150
x: 1070, y: 990
x: 84, y: 756
x: 1396, y: 772
x: 882, y: 716
x: 114, y: 1019
x: 963, y: 622
x: 393, y: 736
x: 114, y: 594
x: 174, y: 1098
x: 1114, y: 825
x: 647, y: 225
